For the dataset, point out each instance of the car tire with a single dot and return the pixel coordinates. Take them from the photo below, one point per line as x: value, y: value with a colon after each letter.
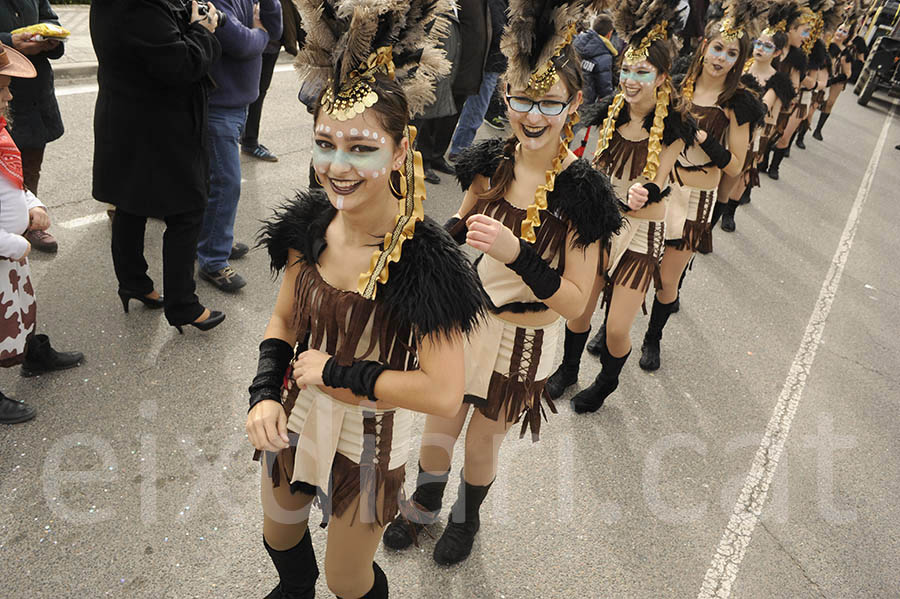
x: 868, y: 88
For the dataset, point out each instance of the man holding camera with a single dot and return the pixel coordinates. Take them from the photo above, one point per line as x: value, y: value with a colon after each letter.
x: 246, y: 30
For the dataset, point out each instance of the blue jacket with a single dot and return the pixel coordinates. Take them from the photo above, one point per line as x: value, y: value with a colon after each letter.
x: 597, y: 58
x: 237, y: 73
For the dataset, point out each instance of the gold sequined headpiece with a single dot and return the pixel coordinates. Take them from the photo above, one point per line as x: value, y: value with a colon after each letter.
x: 546, y: 76
x: 356, y: 94
x: 780, y: 16
x: 639, y: 52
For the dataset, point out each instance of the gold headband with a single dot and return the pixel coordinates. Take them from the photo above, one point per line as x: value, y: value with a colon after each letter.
x: 356, y: 94
x: 779, y: 27
x: 729, y: 32
x: 546, y: 76
x: 642, y: 51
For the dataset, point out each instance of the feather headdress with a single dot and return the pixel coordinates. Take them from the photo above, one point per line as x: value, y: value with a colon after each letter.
x: 643, y: 22
x: 349, y: 41
x: 813, y: 14
x: 741, y: 18
x: 535, y: 38
x: 782, y: 15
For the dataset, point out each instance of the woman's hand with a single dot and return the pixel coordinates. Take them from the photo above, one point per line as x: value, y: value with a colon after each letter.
x: 492, y: 237
x: 308, y: 368
x: 38, y: 219
x: 267, y: 426
x: 637, y: 196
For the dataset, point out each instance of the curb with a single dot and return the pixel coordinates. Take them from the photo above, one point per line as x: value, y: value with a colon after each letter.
x: 76, y: 70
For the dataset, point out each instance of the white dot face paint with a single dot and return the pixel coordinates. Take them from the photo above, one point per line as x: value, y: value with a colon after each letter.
x: 340, y: 202
x: 383, y: 170
x: 340, y: 134
x: 365, y: 133
x: 375, y: 175
x: 354, y: 131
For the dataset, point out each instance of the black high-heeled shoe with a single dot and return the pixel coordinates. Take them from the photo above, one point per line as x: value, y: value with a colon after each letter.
x: 214, y: 319
x: 151, y: 302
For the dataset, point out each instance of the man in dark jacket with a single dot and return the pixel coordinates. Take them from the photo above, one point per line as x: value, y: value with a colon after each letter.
x: 597, y: 57
x: 247, y: 30
x: 476, y: 105
x: 35, y: 114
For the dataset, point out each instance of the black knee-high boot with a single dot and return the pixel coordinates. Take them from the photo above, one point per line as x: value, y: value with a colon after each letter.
x: 823, y: 116
x: 777, y: 156
x: 455, y: 543
x: 659, y: 315
x: 592, y: 398
x: 297, y: 570
x: 801, y: 133
x: 728, y: 216
x: 379, y: 589
x: 567, y: 373
x: 422, y: 510
x: 745, y: 197
x: 718, y: 211
x: 787, y: 150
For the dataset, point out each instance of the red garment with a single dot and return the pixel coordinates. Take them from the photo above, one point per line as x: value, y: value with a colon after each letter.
x: 10, y: 157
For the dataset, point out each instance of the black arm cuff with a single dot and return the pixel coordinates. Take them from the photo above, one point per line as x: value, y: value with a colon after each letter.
x: 716, y: 152
x: 655, y: 194
x: 457, y: 231
x: 537, y: 274
x: 274, y: 358
x: 359, y: 377
x: 842, y: 78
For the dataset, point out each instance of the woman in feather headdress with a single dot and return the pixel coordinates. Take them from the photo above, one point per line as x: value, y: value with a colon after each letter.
x: 643, y: 130
x: 796, y: 21
x: 840, y: 54
x: 725, y: 111
x: 347, y: 356
x: 776, y: 91
x: 539, y: 215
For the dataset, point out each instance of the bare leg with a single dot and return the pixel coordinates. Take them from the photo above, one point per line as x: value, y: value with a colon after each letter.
x: 673, y: 264
x: 285, y: 514
x: 483, y: 439
x: 438, y: 440
x: 623, y: 309
x: 350, y: 552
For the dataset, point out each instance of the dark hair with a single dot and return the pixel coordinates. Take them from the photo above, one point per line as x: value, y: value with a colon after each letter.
x: 392, y: 108
x: 568, y: 67
x: 603, y: 24
x: 733, y: 78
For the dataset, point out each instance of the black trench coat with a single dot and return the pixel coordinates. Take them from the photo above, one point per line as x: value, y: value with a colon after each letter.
x: 151, y: 150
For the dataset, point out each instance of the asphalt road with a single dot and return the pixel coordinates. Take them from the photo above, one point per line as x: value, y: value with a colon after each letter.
x: 135, y: 479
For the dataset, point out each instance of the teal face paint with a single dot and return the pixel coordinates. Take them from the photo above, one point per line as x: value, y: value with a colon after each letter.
x: 723, y: 54
x: 642, y: 78
x: 368, y: 163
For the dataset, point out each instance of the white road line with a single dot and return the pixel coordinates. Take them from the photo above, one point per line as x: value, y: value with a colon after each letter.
x: 72, y: 90
x: 733, y: 545
x: 82, y: 221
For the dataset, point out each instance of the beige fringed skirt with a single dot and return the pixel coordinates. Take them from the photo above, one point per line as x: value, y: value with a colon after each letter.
x: 522, y: 359
x: 690, y: 213
x: 635, y: 252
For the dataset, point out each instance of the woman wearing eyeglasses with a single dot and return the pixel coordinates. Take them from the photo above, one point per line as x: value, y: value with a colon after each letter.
x: 776, y: 91
x: 643, y: 131
x: 539, y: 215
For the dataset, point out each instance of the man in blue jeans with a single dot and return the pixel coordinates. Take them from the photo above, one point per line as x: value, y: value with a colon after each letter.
x: 247, y: 30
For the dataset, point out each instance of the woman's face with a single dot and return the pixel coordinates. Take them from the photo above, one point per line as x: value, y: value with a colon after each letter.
x: 639, y: 81
x: 841, y: 35
x: 764, y: 48
x: 798, y: 34
x: 533, y: 120
x: 354, y: 158
x: 720, y: 57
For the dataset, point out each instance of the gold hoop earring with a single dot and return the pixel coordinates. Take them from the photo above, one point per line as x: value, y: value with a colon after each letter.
x: 316, y: 177
x: 397, y: 193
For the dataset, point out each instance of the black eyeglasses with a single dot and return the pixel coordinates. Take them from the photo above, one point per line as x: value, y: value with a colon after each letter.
x: 546, y: 107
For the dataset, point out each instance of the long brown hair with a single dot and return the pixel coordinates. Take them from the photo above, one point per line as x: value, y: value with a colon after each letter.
x: 568, y: 67
x: 732, y: 79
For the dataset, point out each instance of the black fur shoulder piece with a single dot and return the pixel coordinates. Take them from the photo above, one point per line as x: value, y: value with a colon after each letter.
x: 746, y: 105
x: 797, y: 59
x: 750, y: 82
x: 678, y: 126
x: 818, y: 56
x: 834, y: 50
x: 593, y: 115
x: 782, y: 86
x: 481, y: 158
x: 585, y: 198
x: 434, y: 286
x: 298, y: 224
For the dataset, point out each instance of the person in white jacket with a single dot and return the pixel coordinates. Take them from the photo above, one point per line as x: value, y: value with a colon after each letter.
x: 20, y: 210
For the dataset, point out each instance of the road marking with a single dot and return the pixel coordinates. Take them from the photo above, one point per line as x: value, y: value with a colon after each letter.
x: 729, y: 554
x: 83, y: 221
x: 72, y: 90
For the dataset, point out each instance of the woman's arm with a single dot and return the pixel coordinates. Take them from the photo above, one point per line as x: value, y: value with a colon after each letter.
x: 577, y: 281
x: 479, y: 185
x: 637, y: 193
x: 738, y: 143
x: 280, y: 323
x: 770, y: 99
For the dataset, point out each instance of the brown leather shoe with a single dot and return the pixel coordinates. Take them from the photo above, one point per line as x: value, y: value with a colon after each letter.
x: 42, y: 240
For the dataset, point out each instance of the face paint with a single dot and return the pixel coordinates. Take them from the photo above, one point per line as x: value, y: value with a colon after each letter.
x: 367, y: 161
x: 723, y: 54
x: 642, y: 78
x: 763, y: 46
x: 340, y: 203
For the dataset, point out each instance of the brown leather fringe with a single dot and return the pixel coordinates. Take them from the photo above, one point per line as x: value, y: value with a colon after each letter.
x: 517, y: 396
x: 697, y: 236
x: 636, y: 271
x: 753, y: 180
x: 713, y: 120
x: 341, y: 319
x: 619, y: 152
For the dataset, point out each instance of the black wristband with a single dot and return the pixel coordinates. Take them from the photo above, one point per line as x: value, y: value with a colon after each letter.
x: 457, y: 231
x: 837, y: 79
x: 274, y: 358
x: 359, y: 377
x: 716, y: 151
x: 537, y: 274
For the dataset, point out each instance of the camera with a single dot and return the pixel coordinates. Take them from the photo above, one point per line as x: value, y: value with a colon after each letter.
x: 203, y: 9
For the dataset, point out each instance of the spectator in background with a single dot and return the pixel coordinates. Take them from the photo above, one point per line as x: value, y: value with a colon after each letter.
x: 598, y: 54
x: 151, y: 150
x: 35, y: 118
x: 246, y: 32
x: 476, y: 106
x: 250, y: 138
x: 19, y: 208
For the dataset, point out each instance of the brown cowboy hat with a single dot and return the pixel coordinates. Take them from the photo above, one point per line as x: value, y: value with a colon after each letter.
x: 14, y: 64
